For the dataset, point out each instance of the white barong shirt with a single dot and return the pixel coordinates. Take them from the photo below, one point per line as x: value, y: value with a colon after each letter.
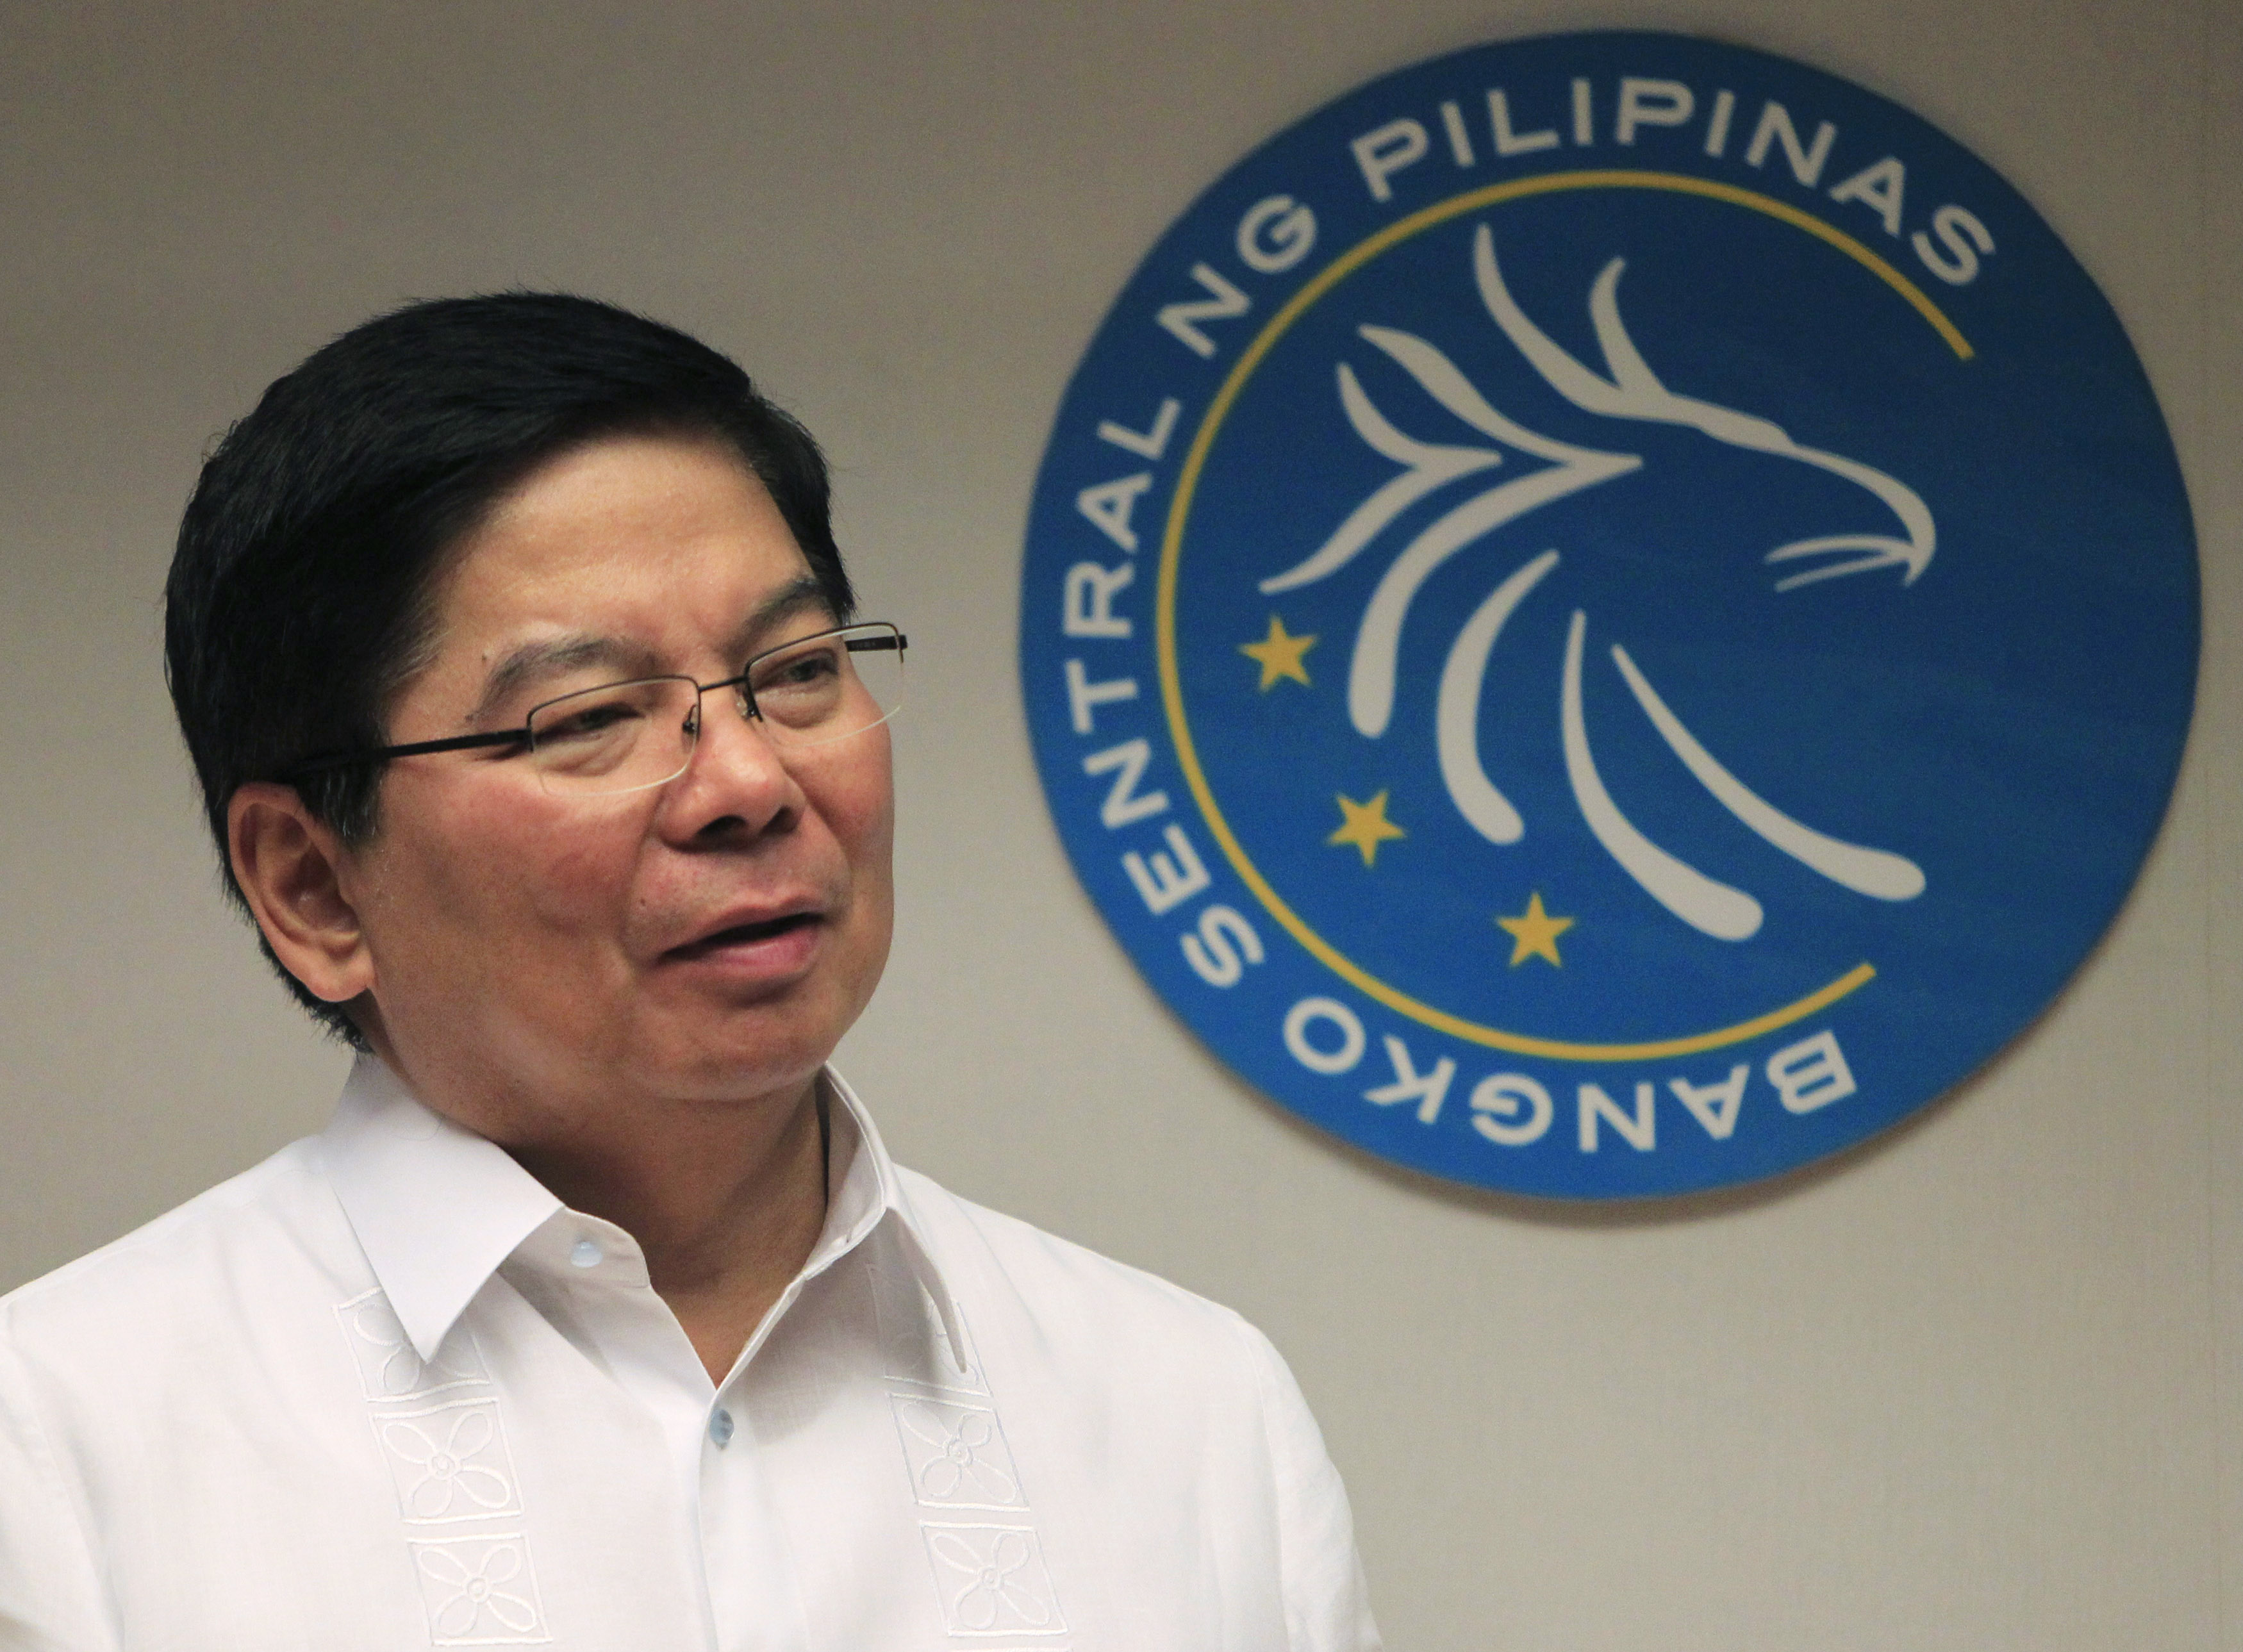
x: 385, y: 1390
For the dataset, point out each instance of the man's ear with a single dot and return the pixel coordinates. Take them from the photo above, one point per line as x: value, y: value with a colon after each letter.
x: 290, y: 867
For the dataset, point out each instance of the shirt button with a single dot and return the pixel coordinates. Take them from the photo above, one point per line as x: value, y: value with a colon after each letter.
x: 720, y: 1428
x: 586, y: 1254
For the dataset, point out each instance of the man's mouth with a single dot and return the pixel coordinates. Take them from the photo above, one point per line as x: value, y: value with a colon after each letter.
x: 744, y: 934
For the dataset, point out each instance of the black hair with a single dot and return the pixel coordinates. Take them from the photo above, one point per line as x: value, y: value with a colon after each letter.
x: 299, y: 599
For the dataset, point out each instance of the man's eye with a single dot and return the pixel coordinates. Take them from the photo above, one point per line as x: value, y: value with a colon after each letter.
x: 586, y: 722
x: 800, y: 671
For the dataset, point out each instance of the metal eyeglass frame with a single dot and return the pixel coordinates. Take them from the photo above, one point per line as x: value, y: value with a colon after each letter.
x: 326, y: 761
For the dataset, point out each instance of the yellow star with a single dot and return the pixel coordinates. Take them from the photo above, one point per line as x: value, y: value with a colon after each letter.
x: 1279, y: 656
x: 1366, y: 826
x: 1534, y: 933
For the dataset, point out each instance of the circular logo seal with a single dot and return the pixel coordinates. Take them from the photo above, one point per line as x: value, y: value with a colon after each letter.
x: 1608, y: 614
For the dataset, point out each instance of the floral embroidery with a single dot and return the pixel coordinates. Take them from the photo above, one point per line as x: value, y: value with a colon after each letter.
x: 956, y: 1453
x: 993, y: 1581
x: 389, y: 1367
x: 453, y: 1462
x: 479, y: 1591
x: 917, y: 1348
x: 449, y: 1462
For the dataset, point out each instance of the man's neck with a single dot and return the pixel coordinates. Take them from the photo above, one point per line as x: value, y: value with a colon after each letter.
x: 725, y: 1200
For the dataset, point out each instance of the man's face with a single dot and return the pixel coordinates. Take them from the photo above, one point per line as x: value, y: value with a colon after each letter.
x: 535, y: 955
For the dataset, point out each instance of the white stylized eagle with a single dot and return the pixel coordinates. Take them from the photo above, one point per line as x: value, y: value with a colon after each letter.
x: 1627, y: 390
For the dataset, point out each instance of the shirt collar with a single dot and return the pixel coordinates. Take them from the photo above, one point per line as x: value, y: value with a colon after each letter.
x: 864, y: 1194
x: 437, y: 1208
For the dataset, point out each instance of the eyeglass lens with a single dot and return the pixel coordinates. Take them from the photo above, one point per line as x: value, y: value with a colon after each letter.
x: 623, y: 736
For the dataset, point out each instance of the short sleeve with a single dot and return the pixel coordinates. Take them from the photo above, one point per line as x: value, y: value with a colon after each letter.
x: 50, y: 1593
x: 1327, y: 1603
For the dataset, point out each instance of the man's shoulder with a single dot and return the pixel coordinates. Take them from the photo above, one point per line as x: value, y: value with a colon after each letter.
x: 220, y: 1250
x: 1161, y: 1399
x: 1073, y: 1293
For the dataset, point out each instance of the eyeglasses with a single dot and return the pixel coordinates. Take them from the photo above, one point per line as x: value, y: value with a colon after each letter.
x: 631, y: 736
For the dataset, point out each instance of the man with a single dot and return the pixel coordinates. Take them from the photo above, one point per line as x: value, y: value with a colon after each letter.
x: 516, y: 658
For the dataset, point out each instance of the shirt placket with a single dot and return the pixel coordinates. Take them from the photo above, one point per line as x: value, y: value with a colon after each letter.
x: 753, y: 1593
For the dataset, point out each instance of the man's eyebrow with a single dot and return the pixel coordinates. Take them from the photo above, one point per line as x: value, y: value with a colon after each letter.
x: 530, y: 661
x: 796, y: 596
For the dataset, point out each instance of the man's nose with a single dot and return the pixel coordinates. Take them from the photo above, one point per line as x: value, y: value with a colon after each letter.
x: 736, y: 772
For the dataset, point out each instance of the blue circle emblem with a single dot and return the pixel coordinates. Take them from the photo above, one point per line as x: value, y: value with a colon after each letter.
x: 1608, y: 615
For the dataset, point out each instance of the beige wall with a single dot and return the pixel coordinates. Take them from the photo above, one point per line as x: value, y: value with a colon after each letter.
x: 1976, y: 1386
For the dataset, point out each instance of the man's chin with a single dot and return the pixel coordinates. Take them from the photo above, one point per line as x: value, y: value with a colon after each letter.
x: 746, y: 1053
x: 721, y: 1035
